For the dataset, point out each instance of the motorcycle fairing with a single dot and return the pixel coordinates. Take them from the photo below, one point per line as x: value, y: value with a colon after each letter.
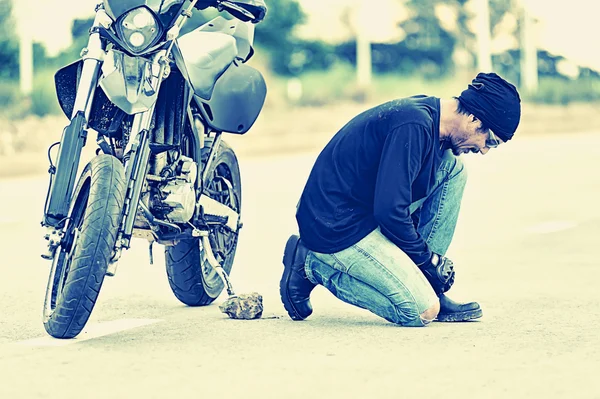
x: 105, y: 117
x: 242, y: 32
x: 237, y: 99
x: 202, y: 57
x: 66, y: 80
x: 203, y: 54
x: 126, y: 81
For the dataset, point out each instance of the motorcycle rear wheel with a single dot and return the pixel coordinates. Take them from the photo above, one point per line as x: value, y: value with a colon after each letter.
x: 192, y: 279
x: 80, y: 262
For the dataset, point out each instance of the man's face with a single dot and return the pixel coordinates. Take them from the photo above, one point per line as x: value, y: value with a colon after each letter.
x: 473, y: 137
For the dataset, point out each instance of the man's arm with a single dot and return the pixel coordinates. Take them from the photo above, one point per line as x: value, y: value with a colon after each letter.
x: 401, y: 160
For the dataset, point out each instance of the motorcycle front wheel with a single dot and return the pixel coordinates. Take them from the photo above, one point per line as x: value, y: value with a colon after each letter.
x: 192, y: 279
x: 80, y: 262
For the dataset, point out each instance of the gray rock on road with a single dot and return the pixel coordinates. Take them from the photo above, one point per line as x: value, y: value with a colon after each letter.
x: 243, y: 306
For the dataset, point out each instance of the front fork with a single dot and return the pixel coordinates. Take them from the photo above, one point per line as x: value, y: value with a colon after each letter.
x: 73, y: 139
x: 136, y: 156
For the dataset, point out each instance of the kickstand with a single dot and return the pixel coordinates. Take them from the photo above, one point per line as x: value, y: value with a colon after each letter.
x: 244, y: 306
x: 217, y: 266
x: 150, y: 252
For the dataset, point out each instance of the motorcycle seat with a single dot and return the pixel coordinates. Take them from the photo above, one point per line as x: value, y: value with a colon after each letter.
x: 206, y: 56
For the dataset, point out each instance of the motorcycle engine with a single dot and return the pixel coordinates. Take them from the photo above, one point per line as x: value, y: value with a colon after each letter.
x: 178, y: 197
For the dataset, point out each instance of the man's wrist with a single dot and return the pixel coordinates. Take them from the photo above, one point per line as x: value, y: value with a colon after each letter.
x: 433, y: 260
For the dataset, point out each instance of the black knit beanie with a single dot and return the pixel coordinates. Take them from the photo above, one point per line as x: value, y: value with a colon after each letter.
x: 495, y: 102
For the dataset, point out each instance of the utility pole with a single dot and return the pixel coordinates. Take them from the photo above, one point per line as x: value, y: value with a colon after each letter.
x: 25, y: 48
x: 529, y: 63
x: 363, y: 47
x: 483, y: 32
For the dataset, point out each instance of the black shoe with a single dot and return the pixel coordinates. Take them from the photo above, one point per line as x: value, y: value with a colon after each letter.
x: 454, y: 311
x: 295, y: 287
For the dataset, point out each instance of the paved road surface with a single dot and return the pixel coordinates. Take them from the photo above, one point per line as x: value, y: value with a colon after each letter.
x: 526, y: 248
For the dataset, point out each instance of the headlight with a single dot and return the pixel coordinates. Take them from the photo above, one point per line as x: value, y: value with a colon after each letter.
x: 139, y: 29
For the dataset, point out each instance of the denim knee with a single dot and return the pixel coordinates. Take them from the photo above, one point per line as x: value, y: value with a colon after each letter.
x: 406, y: 315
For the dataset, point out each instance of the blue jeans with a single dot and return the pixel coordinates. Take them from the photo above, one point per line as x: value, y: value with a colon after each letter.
x: 375, y: 274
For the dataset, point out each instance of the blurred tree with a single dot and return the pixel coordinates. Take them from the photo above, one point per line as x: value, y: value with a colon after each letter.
x: 290, y: 55
x: 277, y: 28
x: 428, y: 43
x: 588, y: 73
x: 79, y: 34
x: 81, y: 28
x: 464, y: 38
x: 436, y: 31
x: 9, y: 45
x: 40, y: 56
x: 508, y: 64
x: 498, y: 11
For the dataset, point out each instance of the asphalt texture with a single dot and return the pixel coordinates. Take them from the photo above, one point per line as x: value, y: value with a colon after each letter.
x: 526, y: 248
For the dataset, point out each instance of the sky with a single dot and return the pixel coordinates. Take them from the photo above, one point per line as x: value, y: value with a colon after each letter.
x: 564, y: 28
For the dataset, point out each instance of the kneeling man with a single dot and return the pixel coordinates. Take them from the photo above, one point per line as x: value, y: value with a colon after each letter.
x: 379, y: 209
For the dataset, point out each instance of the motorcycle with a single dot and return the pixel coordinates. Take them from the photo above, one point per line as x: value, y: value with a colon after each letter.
x: 159, y: 98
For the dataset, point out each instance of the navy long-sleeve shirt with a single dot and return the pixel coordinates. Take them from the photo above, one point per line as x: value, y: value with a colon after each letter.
x: 368, y: 175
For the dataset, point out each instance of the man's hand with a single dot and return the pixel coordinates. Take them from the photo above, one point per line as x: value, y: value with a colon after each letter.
x: 439, y: 271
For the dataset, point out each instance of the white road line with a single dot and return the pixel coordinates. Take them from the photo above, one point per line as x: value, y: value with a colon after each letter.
x: 91, y: 331
x: 551, y: 227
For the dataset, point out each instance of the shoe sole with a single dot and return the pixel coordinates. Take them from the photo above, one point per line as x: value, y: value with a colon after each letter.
x: 460, y: 316
x: 290, y: 248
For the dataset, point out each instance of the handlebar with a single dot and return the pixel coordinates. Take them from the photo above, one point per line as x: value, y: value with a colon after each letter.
x: 241, y: 11
x: 237, y: 11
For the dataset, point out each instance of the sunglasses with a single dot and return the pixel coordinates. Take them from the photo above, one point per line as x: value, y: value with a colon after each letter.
x: 492, y: 141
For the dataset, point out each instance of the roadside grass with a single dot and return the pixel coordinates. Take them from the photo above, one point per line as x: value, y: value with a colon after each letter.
x: 339, y: 83
x: 566, y: 91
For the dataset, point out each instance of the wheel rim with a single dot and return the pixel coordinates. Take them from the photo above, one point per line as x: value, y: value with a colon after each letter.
x: 222, y: 240
x: 64, y: 253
